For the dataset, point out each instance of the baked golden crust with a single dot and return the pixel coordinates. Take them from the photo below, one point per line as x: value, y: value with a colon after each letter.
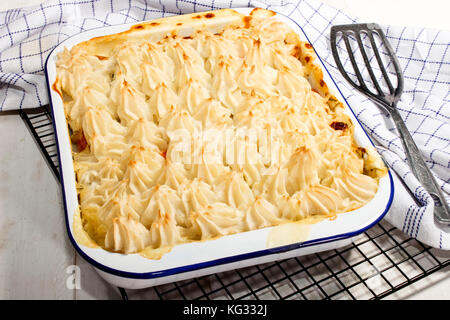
x: 187, y: 130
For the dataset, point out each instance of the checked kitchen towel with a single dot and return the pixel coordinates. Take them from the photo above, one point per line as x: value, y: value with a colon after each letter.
x: 28, y: 35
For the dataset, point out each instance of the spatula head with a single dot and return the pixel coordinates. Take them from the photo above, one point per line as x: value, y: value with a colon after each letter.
x: 376, y: 70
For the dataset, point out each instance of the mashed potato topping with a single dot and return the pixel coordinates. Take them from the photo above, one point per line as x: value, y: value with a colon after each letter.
x: 193, y: 137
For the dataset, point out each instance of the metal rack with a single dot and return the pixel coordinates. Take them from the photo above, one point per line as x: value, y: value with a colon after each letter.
x: 378, y: 263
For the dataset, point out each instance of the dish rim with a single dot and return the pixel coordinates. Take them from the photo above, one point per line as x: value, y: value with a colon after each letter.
x: 227, y: 259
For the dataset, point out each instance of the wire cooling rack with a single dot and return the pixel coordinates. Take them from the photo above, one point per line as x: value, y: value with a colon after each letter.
x: 377, y: 263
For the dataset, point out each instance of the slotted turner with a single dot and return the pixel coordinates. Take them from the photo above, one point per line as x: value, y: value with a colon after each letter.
x: 387, y: 100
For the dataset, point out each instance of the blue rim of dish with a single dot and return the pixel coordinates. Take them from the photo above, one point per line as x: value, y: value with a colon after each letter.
x: 215, y: 262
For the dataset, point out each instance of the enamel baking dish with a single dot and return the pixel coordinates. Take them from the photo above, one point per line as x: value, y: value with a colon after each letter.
x: 195, y: 259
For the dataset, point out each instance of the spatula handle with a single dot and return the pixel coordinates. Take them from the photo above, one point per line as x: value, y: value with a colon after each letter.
x: 421, y: 170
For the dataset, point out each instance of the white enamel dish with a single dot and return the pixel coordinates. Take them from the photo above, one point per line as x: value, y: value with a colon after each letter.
x: 229, y: 252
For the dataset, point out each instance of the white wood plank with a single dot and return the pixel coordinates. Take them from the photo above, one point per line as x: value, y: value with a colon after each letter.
x: 34, y: 248
x: 92, y: 286
x: 416, y: 13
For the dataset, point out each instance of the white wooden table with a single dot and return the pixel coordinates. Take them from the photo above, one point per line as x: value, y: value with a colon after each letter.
x: 37, y: 260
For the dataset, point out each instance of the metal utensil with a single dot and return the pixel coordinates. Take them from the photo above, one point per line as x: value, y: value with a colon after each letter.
x: 387, y: 100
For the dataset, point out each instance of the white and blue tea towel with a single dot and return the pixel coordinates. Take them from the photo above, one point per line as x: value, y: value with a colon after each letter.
x: 28, y: 35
